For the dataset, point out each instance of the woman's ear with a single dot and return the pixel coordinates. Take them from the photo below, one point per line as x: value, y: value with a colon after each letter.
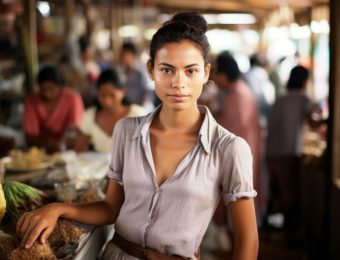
x: 150, y: 69
x: 207, y: 72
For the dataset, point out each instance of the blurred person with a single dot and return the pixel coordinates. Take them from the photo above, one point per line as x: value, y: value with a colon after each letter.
x: 98, y: 122
x: 90, y: 67
x: 275, y: 78
x: 290, y: 114
x: 139, y: 88
x: 52, y: 112
x: 258, y: 80
x: 168, y: 169
x: 239, y: 114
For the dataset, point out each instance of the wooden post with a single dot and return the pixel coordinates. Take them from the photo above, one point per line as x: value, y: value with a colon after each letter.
x: 333, y: 164
x: 335, y: 86
x: 68, y: 16
x: 29, y: 31
x: 115, y: 23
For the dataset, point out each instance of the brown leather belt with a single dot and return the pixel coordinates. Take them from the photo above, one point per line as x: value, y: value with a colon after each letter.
x: 142, y: 252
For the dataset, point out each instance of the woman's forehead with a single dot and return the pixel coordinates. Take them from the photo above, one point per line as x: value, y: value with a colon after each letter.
x: 184, y: 53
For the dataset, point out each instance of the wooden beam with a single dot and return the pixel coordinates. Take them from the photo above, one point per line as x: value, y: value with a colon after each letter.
x: 29, y: 31
x: 218, y: 6
x: 252, y: 6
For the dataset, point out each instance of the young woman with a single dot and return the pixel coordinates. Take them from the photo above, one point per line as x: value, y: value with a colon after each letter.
x: 98, y: 121
x: 168, y: 169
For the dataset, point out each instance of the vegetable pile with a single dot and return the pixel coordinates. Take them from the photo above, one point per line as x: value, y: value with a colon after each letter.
x: 20, y: 198
x: 15, y: 199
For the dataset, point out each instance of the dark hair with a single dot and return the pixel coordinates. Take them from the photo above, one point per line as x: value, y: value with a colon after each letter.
x: 226, y: 64
x: 130, y: 47
x: 183, y: 26
x: 109, y: 76
x: 298, y: 77
x: 50, y: 73
x: 258, y: 60
x: 84, y: 43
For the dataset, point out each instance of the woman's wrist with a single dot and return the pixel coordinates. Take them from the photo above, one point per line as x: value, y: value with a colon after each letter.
x: 57, y: 209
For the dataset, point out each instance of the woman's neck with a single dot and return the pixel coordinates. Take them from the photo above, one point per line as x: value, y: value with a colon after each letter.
x: 182, y: 121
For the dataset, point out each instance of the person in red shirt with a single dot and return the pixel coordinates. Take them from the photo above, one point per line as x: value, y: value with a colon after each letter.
x: 52, y: 112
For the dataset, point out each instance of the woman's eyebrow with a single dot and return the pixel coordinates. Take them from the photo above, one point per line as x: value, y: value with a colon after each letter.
x: 171, y: 66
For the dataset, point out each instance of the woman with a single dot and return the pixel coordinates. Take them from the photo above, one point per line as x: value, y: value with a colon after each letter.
x: 53, y: 103
x: 98, y: 122
x: 168, y: 169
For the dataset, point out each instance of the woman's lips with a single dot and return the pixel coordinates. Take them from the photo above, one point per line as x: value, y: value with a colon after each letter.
x: 178, y: 97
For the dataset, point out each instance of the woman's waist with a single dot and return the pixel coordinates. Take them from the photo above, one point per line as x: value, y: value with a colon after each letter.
x: 147, y: 252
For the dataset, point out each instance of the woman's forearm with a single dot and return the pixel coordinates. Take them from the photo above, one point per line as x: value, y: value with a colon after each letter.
x: 246, y: 249
x: 94, y: 213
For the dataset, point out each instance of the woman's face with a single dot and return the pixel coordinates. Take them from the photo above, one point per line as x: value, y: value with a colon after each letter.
x: 109, y: 96
x: 179, y: 74
x: 49, y: 91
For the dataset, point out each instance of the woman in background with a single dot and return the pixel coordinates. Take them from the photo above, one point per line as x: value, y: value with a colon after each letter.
x: 98, y: 122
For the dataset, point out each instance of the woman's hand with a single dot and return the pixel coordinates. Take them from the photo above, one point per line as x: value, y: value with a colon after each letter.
x: 40, y: 223
x: 37, y: 224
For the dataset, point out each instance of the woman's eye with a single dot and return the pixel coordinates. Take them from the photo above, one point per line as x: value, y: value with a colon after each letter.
x: 166, y: 70
x: 192, y: 71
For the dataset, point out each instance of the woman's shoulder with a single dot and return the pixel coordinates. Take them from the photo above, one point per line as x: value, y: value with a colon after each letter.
x: 226, y: 140
x: 90, y: 113
x: 131, y: 123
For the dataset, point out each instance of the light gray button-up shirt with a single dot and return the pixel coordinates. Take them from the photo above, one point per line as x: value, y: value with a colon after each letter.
x: 172, y: 218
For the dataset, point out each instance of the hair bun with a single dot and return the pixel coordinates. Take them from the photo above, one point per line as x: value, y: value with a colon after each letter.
x: 192, y: 19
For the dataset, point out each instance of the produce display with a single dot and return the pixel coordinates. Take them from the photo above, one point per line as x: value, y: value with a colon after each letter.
x: 17, y: 198
x: 21, y: 198
x: 33, y: 157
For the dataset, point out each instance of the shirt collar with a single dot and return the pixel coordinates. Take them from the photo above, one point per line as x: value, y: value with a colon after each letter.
x: 205, y: 134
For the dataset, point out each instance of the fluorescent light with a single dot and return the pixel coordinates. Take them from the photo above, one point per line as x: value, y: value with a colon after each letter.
x: 315, y: 27
x: 231, y: 18
x: 128, y: 31
x: 324, y: 26
x: 44, y: 8
x: 149, y: 33
x: 320, y: 27
x: 236, y: 18
x: 210, y: 18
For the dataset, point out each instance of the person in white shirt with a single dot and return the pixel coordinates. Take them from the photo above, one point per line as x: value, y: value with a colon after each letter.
x: 98, y: 121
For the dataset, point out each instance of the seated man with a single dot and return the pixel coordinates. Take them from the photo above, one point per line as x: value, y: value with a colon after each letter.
x: 51, y: 112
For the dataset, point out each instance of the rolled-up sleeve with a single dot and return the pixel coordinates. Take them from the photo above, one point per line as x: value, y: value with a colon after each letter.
x: 237, y: 172
x: 117, y: 154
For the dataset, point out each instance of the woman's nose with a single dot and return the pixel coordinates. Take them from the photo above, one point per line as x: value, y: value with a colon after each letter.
x: 178, y: 80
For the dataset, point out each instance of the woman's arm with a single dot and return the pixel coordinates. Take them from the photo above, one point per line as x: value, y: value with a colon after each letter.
x: 246, y: 241
x: 40, y: 223
x: 82, y: 142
